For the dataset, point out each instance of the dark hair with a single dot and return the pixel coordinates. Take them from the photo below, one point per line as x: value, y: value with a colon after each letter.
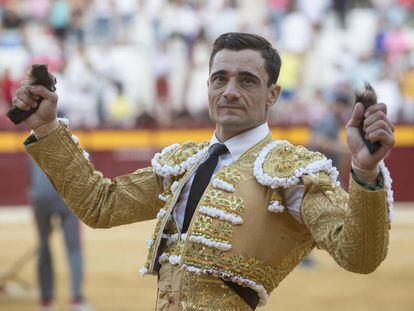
x: 237, y: 41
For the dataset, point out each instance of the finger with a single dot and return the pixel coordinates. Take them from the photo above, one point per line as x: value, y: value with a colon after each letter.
x: 382, y: 136
x: 375, y: 108
x: 376, y: 116
x: 43, y: 92
x: 20, y: 104
x: 380, y: 124
x: 357, y: 116
x: 25, y: 83
x: 24, y: 96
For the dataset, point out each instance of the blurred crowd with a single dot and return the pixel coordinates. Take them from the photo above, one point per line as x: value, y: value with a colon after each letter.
x: 138, y: 63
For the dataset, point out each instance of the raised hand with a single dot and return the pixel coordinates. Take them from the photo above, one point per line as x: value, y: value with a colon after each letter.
x: 377, y: 128
x: 44, y: 120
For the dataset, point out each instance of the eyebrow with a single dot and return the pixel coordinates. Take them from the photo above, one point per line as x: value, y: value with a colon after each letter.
x: 219, y: 73
x: 249, y: 74
x: 241, y: 73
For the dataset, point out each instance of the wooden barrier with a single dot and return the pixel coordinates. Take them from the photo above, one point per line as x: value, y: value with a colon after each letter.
x: 116, y: 152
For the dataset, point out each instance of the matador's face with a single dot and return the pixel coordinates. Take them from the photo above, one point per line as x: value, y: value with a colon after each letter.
x: 237, y: 90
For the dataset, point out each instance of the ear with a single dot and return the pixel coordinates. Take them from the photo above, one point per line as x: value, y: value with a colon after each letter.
x: 273, y: 94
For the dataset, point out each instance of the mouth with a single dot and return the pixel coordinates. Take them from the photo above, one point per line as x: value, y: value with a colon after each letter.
x: 231, y: 106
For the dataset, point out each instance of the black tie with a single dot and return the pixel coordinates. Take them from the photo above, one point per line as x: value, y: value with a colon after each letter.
x: 200, y: 182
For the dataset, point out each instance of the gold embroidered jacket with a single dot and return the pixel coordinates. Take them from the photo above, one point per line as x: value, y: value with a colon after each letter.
x: 240, y: 230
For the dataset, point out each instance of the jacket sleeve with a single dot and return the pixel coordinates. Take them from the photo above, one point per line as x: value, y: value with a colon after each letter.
x: 353, y: 228
x: 99, y: 202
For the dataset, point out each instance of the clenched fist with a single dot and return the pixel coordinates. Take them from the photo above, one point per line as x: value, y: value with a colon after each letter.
x: 377, y: 128
x: 44, y: 120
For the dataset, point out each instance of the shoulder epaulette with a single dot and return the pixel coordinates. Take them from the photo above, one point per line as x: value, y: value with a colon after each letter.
x: 281, y: 164
x: 174, y: 160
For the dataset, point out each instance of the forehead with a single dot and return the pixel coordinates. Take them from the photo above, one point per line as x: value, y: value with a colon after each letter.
x: 236, y: 61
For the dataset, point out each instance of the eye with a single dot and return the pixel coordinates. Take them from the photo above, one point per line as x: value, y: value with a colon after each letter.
x: 219, y: 79
x: 247, y: 81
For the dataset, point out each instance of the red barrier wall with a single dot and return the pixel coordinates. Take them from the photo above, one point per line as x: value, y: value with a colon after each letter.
x: 14, y: 179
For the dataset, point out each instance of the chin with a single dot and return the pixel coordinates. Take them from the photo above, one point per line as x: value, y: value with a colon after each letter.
x: 234, y: 125
x: 229, y: 120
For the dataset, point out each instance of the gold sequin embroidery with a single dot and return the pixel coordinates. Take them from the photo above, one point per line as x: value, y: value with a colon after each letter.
x: 229, y: 174
x: 213, y: 229
x: 231, y: 204
x: 236, y: 265
x: 283, y: 161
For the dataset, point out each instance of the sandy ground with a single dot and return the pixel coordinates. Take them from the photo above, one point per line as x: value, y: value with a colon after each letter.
x: 114, y: 256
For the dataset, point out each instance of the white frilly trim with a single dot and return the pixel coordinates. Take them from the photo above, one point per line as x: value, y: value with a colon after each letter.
x: 174, y: 186
x: 149, y: 243
x: 161, y: 213
x: 175, y: 237
x: 388, y: 187
x: 167, y: 170
x: 173, y: 259
x: 164, y: 197
x: 85, y: 155
x: 171, y: 239
x: 275, y: 182
x: 261, y: 291
x: 275, y: 207
x: 217, y: 213
x: 143, y: 271
x: 223, y: 185
x: 75, y: 139
x: 65, y: 121
x: 214, y: 244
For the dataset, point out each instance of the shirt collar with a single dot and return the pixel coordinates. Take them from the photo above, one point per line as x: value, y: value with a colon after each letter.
x: 239, y: 144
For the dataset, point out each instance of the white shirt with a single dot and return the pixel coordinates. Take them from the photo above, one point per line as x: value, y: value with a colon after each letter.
x: 238, y: 145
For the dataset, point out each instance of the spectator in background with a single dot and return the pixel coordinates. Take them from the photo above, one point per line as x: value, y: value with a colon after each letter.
x: 340, y: 8
x: 120, y: 110
x: 77, y: 25
x: 47, y: 205
x: 407, y: 90
x: 277, y: 11
x: 103, y: 22
x: 11, y: 25
x: 290, y: 75
x: 8, y: 87
x: 38, y: 9
x: 296, y: 22
x: 81, y: 79
x: 388, y: 91
x: 162, y: 69
x: 397, y: 44
x: 126, y: 11
x: 407, y: 4
x: 5, y: 123
x: 60, y: 19
x: 314, y: 10
x: 325, y: 133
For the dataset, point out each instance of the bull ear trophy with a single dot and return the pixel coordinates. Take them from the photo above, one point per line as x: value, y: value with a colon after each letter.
x: 39, y: 75
x: 367, y: 97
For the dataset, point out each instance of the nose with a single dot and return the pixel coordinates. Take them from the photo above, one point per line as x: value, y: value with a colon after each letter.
x: 231, y: 92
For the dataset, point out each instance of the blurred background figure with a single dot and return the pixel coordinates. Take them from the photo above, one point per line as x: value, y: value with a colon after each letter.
x: 325, y: 136
x: 47, y: 208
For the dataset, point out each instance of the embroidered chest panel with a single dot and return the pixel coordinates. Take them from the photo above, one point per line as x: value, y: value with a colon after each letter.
x: 207, y: 248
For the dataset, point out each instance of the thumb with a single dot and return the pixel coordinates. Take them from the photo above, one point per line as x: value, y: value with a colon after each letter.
x: 357, y: 116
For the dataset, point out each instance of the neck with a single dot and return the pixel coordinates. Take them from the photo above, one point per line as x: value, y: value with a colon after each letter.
x: 225, y: 134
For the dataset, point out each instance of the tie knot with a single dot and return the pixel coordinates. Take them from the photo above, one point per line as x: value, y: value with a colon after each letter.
x: 218, y: 149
